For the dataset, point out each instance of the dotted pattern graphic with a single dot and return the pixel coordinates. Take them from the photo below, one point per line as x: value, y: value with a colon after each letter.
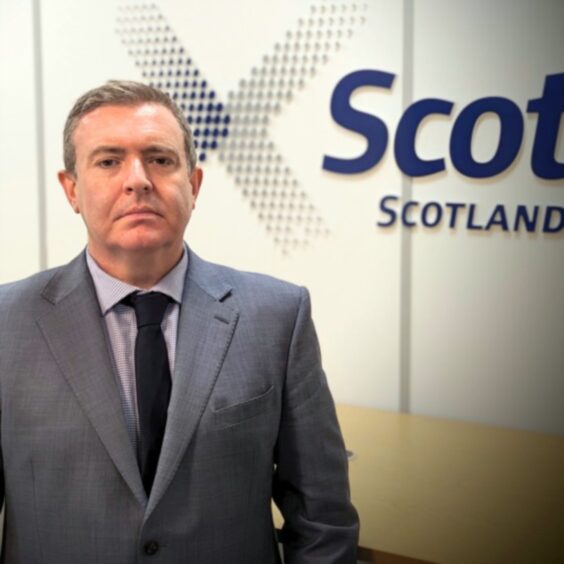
x: 165, y: 64
x: 238, y: 130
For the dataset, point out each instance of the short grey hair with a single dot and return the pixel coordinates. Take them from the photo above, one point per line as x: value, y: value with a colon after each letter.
x: 122, y: 93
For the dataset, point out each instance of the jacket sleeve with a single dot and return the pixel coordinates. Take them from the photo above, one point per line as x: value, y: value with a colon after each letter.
x: 311, y: 485
x: 2, y: 488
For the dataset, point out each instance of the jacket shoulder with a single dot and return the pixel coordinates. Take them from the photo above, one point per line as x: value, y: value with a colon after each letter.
x: 249, y: 287
x: 47, y: 286
x: 28, y: 289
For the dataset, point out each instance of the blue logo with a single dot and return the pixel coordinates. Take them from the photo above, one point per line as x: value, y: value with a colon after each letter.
x: 548, y: 108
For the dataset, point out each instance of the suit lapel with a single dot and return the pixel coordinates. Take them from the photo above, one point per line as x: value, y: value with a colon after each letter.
x: 205, y: 329
x: 73, y: 329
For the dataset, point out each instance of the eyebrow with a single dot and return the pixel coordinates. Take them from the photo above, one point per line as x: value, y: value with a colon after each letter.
x: 151, y: 149
x: 105, y: 149
x: 119, y: 151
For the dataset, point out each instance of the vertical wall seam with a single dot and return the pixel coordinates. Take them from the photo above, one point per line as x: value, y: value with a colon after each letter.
x: 40, y: 137
x: 406, y: 241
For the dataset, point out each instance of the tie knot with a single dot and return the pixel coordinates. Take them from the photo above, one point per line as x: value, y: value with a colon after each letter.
x: 149, y: 307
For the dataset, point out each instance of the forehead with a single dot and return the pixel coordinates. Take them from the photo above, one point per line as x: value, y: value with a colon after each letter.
x: 128, y: 126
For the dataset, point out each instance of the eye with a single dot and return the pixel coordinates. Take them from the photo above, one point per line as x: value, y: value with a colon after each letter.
x: 107, y: 163
x: 162, y: 161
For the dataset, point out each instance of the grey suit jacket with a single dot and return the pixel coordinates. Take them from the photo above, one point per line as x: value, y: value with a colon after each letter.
x: 250, y: 419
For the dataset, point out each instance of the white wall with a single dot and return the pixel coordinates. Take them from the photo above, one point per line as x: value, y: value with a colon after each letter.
x: 19, y: 212
x: 482, y: 313
x: 488, y: 309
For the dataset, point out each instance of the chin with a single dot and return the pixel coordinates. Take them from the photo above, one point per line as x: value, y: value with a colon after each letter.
x: 145, y: 244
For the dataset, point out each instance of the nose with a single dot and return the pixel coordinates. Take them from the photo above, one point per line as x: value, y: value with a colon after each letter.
x: 136, y: 179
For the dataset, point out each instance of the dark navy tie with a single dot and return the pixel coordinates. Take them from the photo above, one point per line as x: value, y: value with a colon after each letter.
x: 152, y: 375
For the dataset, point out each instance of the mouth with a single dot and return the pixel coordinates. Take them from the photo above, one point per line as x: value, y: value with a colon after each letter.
x: 142, y: 212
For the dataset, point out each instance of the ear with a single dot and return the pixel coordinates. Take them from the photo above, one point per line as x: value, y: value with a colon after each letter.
x: 68, y: 182
x: 196, y: 177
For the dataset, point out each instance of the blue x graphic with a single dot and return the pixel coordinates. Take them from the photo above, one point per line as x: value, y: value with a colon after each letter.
x: 238, y: 129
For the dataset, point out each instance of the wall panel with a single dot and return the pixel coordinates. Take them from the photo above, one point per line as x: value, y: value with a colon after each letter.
x: 19, y: 207
x: 488, y: 315
x: 352, y: 272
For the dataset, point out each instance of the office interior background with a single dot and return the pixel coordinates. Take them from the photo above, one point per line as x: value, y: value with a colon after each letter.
x: 447, y: 321
x: 434, y: 254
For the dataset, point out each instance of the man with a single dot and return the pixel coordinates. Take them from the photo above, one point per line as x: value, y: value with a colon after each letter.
x: 110, y: 456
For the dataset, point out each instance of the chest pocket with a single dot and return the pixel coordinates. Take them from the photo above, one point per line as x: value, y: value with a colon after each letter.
x: 235, y: 414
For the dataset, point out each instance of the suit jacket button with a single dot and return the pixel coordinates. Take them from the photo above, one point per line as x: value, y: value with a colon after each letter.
x: 151, y: 547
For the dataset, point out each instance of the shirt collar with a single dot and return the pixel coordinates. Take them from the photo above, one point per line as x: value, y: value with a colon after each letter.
x: 110, y: 291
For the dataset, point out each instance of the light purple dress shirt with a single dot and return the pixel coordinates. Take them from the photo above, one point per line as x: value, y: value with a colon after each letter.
x: 121, y: 328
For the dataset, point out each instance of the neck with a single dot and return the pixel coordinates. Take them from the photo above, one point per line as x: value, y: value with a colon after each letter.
x: 142, y: 268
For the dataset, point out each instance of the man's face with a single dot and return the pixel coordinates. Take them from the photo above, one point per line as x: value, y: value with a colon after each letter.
x: 132, y: 184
